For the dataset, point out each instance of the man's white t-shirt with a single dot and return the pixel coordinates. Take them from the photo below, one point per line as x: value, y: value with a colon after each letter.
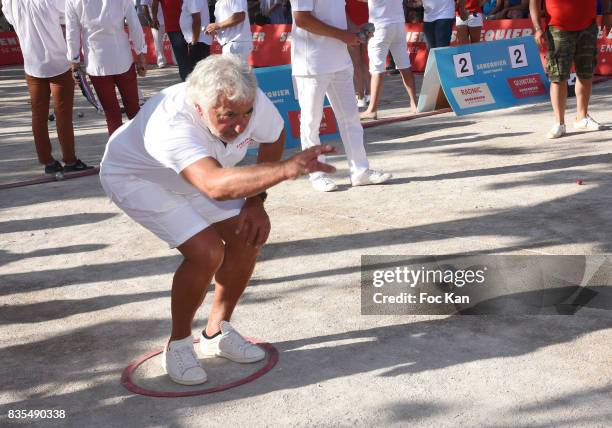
x: 98, y: 25
x: 167, y: 135
x: 37, y: 23
x: 238, y: 33
x: 438, y: 9
x: 385, y: 12
x: 312, y: 54
x: 186, y: 20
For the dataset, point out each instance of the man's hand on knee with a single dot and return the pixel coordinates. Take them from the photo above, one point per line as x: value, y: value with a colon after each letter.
x: 253, y: 223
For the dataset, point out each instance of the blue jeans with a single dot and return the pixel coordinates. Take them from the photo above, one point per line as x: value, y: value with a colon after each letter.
x: 181, y: 53
x: 438, y: 33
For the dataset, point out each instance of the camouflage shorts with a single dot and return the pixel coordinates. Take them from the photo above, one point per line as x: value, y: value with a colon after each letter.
x: 567, y: 47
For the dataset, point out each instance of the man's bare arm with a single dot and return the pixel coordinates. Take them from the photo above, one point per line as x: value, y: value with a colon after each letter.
x: 233, y: 20
x: 220, y: 183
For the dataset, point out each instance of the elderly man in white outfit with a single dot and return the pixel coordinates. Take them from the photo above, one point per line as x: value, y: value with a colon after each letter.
x: 322, y: 65
x: 172, y: 169
x: 232, y: 27
x: 389, y: 36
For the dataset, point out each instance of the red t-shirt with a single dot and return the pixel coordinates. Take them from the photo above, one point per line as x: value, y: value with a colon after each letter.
x: 357, y: 11
x: 571, y: 15
x: 172, y: 14
x: 471, y: 6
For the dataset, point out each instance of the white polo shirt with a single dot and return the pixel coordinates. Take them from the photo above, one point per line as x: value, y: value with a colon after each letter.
x: 312, y: 54
x: 167, y: 135
x: 37, y: 23
x: 438, y: 9
x: 100, y: 26
x: 385, y: 12
x: 190, y: 7
x: 238, y: 33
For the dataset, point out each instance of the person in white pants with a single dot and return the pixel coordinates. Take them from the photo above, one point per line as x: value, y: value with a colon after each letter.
x: 157, y: 33
x: 389, y: 36
x: 322, y: 65
x: 232, y: 28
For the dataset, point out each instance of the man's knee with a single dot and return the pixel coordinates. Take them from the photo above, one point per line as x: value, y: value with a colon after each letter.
x: 205, y: 249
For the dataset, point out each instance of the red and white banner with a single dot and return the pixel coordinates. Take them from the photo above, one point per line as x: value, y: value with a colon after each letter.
x: 272, y: 44
x: 10, y: 52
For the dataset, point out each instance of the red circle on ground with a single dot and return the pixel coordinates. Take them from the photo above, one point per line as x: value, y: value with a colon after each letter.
x: 126, y: 376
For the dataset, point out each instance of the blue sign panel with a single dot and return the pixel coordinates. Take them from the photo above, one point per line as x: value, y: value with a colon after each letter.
x: 491, y: 75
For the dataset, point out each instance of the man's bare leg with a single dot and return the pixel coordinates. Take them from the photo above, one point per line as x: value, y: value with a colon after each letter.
x: 376, y: 88
x: 584, y: 88
x: 558, y: 98
x: 233, y: 276
x: 463, y: 35
x: 408, y: 79
x: 475, y: 34
x: 203, y: 255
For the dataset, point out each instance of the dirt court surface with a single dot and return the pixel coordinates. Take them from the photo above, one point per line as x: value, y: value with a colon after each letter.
x: 84, y: 290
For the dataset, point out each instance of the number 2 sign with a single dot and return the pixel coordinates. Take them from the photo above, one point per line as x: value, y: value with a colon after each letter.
x: 518, y: 58
x: 463, y: 64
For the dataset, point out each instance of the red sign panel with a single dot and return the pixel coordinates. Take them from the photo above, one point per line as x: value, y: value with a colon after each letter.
x: 527, y: 86
x: 328, y: 123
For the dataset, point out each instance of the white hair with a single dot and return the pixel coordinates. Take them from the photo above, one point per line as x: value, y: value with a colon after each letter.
x: 226, y: 75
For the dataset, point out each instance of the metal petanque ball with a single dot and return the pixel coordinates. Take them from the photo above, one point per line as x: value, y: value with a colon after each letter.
x: 80, y: 114
x: 59, y: 176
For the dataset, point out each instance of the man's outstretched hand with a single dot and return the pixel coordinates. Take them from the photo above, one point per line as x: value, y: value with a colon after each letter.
x: 306, y: 162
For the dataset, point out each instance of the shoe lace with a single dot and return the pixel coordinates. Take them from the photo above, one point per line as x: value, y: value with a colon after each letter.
x: 186, y: 357
x: 240, y: 342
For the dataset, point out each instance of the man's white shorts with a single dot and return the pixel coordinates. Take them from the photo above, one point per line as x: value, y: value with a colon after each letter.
x: 474, y: 20
x: 173, y: 217
x: 391, y: 37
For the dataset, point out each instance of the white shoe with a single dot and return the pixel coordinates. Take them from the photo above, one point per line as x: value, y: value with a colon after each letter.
x: 161, y: 65
x: 323, y: 183
x: 587, y: 124
x: 181, y: 363
x: 231, y: 345
x: 361, y: 103
x: 370, y: 177
x: 556, y: 131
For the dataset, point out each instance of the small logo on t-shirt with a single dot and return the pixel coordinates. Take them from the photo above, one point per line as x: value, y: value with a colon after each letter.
x: 244, y: 143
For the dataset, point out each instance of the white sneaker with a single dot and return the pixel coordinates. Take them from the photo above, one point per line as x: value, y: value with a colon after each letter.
x: 370, y: 177
x: 361, y: 103
x: 587, y: 124
x: 181, y: 363
x: 556, y: 131
x: 323, y: 183
x: 231, y: 345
